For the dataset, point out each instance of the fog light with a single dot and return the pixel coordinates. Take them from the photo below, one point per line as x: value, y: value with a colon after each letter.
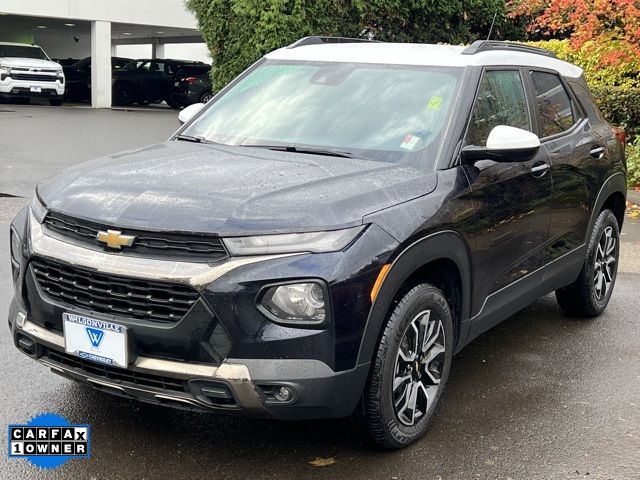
x: 278, y: 393
x: 21, y: 319
x: 283, y: 394
x: 296, y: 303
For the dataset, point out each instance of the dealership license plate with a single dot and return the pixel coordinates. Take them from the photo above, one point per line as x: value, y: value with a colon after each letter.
x: 36, y: 89
x: 95, y: 340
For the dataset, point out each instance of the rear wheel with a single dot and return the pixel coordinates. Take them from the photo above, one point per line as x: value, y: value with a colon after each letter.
x: 589, y: 295
x: 205, y: 97
x: 410, y: 370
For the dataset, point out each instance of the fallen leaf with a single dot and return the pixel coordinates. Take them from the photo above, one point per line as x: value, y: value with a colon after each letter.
x: 323, y: 462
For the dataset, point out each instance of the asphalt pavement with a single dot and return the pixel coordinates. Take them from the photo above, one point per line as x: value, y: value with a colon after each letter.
x: 540, y: 396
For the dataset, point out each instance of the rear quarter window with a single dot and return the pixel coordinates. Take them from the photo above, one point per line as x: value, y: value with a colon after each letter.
x: 554, y: 108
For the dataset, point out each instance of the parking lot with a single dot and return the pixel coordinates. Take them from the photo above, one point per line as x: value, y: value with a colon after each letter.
x: 541, y: 396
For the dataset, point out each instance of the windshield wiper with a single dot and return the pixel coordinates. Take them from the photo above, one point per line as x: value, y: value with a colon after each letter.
x: 191, y: 138
x: 308, y: 150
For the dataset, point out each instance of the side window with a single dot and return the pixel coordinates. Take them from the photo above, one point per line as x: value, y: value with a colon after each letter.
x: 554, y: 109
x: 501, y: 101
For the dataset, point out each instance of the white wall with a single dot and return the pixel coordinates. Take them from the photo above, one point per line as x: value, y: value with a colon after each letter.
x: 63, y: 45
x: 169, y: 13
x: 179, y: 51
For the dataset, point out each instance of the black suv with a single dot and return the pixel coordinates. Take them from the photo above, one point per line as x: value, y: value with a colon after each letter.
x: 323, y: 236
x: 192, y: 84
x: 146, y: 81
x: 78, y: 77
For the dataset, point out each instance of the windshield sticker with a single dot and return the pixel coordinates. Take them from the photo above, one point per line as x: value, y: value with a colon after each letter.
x: 409, y: 142
x: 435, y: 103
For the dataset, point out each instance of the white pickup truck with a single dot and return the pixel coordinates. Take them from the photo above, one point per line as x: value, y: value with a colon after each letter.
x: 27, y: 72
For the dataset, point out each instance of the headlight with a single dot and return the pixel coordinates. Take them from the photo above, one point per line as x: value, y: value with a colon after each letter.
x: 38, y: 209
x: 313, y: 242
x: 16, y: 246
x: 301, y: 303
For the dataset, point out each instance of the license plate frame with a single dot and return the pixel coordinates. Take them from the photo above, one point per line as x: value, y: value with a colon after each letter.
x: 99, y: 341
x: 35, y: 89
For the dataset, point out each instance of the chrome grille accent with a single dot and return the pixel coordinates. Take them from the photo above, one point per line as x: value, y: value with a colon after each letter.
x: 202, y: 247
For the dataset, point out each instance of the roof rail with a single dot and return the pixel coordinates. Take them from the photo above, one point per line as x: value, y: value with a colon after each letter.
x: 318, y: 40
x: 492, y: 45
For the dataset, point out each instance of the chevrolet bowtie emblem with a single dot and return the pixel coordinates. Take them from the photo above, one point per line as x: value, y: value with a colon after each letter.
x: 115, y: 239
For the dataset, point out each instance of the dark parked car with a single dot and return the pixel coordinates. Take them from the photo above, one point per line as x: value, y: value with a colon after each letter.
x: 322, y: 237
x: 192, y: 84
x: 78, y: 77
x: 146, y: 81
x: 65, y: 62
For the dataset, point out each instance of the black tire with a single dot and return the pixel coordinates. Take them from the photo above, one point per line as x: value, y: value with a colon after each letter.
x: 173, y: 104
x: 55, y: 102
x: 122, y: 95
x: 585, y: 297
x: 206, y: 96
x: 379, y: 417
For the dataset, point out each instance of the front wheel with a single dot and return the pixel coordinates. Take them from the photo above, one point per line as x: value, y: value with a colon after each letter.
x: 589, y: 295
x: 122, y: 95
x: 410, y: 370
x: 173, y: 104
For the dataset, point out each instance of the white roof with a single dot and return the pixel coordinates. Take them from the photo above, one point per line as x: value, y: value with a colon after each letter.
x: 420, y: 54
x: 19, y: 44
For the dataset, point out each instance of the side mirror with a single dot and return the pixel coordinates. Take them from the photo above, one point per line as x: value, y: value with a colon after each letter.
x: 189, y: 112
x: 505, y: 144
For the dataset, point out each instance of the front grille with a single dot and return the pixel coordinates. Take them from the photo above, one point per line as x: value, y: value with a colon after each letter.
x: 112, y: 294
x: 196, y: 247
x: 34, y: 77
x: 114, y: 373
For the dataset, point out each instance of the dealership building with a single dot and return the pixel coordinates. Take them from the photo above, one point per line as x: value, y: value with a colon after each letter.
x: 82, y: 28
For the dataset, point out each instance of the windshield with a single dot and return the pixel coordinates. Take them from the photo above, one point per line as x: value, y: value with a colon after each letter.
x: 134, y: 64
x: 381, y: 112
x: 22, y: 51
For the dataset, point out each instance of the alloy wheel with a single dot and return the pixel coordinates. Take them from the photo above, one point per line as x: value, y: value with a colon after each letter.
x: 418, y: 367
x: 604, y: 266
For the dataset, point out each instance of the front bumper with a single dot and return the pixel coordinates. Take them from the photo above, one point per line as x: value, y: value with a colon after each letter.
x: 236, y: 386
x: 22, y: 88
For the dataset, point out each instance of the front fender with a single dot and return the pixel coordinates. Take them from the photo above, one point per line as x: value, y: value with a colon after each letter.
x: 437, y: 246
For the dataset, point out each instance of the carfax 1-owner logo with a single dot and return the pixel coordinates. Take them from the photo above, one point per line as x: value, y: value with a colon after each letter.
x: 49, y: 440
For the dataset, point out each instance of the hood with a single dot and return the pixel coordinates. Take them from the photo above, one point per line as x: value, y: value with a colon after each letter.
x: 184, y: 186
x: 30, y: 63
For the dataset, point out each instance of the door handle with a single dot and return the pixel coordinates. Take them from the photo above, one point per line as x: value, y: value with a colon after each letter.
x: 597, y: 151
x: 539, y: 169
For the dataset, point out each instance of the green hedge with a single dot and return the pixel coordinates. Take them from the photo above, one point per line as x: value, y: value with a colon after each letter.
x: 633, y: 163
x: 621, y: 107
